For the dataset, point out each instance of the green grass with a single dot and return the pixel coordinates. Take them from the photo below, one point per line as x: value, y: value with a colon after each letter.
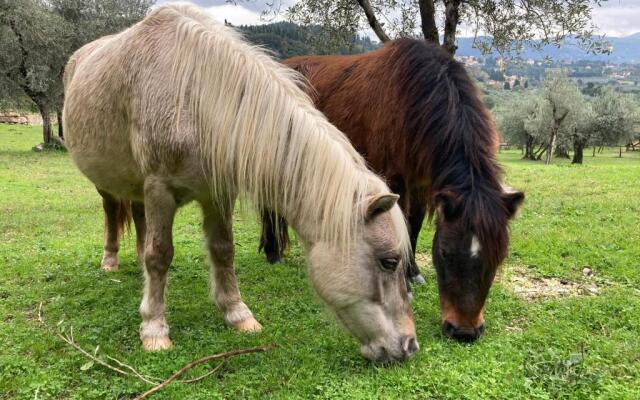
x: 582, y: 347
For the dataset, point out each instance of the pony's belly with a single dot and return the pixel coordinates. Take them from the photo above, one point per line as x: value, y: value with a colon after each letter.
x: 115, y: 176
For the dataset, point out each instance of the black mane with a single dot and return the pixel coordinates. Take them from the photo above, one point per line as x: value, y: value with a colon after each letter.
x: 453, y: 137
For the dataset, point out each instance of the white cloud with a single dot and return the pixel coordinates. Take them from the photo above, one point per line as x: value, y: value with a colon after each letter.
x: 236, y: 15
x: 241, y: 13
x: 622, y: 20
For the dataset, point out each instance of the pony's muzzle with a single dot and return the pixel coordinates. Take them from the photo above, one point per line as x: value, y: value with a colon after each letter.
x: 402, y: 350
x: 465, y: 335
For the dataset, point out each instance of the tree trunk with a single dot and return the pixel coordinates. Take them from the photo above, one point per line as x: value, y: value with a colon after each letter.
x: 59, y: 119
x: 428, y: 18
x: 373, y: 21
x: 552, y: 145
x: 594, y: 151
x: 561, y: 152
x: 540, y: 152
x: 452, y: 17
x: 578, y: 152
x: 528, y: 149
x: 557, y: 121
x: 620, y: 152
x: 46, y: 124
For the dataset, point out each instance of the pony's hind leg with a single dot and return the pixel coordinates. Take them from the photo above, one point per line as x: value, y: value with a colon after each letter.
x: 160, y: 208
x: 274, y: 239
x: 225, y: 292
x: 137, y: 210
x: 116, y: 217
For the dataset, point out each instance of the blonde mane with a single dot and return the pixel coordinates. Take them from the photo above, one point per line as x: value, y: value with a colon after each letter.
x: 268, y: 142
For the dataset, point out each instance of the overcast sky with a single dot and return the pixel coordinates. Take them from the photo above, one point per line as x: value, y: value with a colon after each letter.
x: 614, y: 18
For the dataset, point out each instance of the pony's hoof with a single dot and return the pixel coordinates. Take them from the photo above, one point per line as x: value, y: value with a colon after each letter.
x: 109, y: 267
x: 109, y: 261
x: 419, y: 280
x: 156, y: 343
x: 248, y: 325
x: 275, y: 259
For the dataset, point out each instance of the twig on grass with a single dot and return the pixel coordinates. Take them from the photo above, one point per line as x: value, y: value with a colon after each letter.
x: 133, y: 373
x: 73, y: 344
x: 202, y: 360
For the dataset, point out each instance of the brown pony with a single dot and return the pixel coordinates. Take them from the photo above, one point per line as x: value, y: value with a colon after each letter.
x: 416, y: 116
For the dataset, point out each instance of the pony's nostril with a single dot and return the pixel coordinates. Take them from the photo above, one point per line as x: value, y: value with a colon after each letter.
x: 448, y: 328
x: 410, y: 346
x: 462, y: 334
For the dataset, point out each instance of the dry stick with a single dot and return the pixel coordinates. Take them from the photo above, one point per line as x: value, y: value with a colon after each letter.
x: 198, y: 362
x: 148, y: 379
x: 135, y: 374
x: 201, y: 377
x: 96, y: 359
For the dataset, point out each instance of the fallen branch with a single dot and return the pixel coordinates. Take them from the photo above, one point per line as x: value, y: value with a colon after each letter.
x: 73, y: 344
x: 202, y: 360
x: 133, y: 373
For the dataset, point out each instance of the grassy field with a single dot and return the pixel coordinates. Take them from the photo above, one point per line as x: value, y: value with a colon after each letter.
x: 569, y: 347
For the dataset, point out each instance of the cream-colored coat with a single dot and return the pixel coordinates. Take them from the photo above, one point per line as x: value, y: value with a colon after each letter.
x: 179, y: 108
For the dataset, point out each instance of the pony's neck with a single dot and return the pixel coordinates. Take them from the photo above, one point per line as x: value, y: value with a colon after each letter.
x: 261, y: 135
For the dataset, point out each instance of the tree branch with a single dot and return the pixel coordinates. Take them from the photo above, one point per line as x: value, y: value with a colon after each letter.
x: 192, y: 364
x: 452, y: 17
x: 428, y: 18
x: 373, y: 21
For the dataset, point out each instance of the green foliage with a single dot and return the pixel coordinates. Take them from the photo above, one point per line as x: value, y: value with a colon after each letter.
x: 607, y: 119
x: 582, y: 347
x: 507, y: 26
x: 38, y: 37
x: 614, y: 119
x: 35, y: 45
x: 286, y: 40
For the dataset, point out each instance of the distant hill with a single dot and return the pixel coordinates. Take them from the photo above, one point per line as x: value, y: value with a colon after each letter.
x: 625, y: 50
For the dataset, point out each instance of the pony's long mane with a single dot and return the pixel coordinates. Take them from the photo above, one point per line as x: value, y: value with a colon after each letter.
x: 452, y: 136
x: 260, y: 134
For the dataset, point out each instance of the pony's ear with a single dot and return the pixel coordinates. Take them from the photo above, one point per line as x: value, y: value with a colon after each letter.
x: 512, y: 200
x: 380, y: 203
x: 448, y: 204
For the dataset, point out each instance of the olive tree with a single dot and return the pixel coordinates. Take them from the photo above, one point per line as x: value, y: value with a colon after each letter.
x: 615, y: 115
x: 34, y: 47
x: 564, y: 104
x: 518, y: 121
x: 38, y: 36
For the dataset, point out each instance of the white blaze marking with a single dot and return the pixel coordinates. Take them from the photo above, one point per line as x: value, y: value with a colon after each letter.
x: 475, y: 246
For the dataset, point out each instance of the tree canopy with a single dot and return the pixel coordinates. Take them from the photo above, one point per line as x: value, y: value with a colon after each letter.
x: 37, y: 38
x: 559, y: 116
x: 502, y: 25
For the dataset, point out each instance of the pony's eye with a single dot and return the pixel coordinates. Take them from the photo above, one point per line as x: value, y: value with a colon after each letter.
x: 389, y: 264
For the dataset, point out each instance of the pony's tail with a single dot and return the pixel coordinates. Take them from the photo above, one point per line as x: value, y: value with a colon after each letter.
x: 124, y: 217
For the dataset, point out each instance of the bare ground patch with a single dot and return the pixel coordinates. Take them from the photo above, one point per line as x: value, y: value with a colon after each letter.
x: 532, y: 288
x: 520, y: 280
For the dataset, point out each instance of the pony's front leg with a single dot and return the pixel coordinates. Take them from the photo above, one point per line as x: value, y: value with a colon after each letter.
x: 225, y: 292
x: 160, y: 207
